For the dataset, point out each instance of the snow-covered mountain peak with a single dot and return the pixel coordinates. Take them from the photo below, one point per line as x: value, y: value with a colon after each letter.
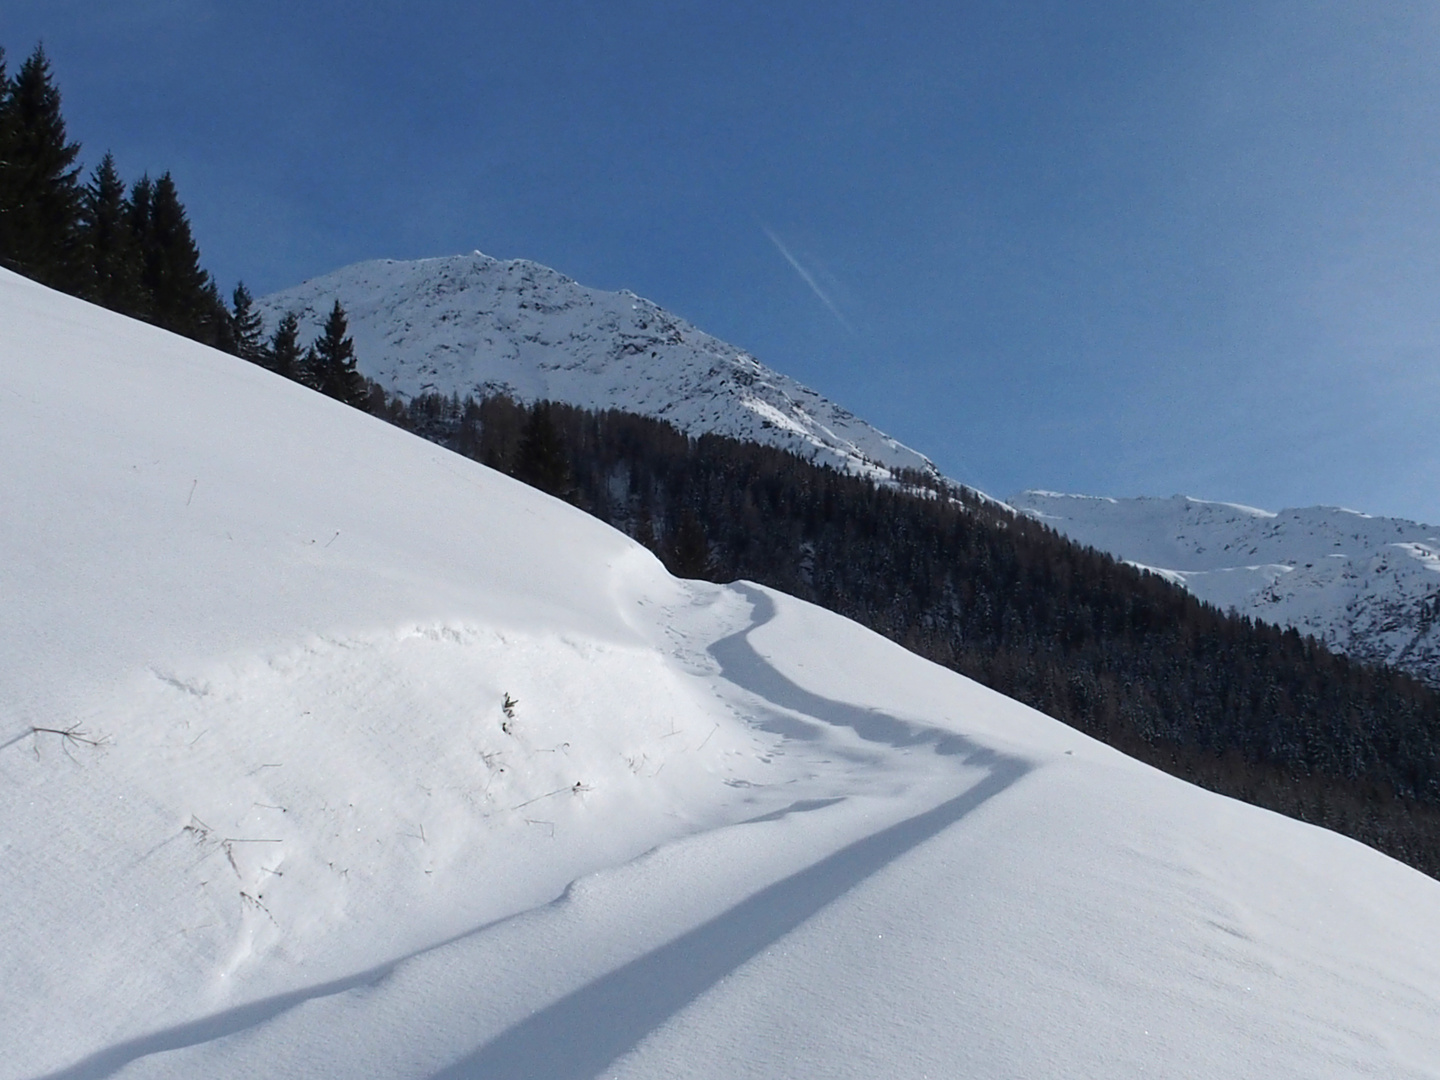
x: 472, y: 324
x: 1364, y: 585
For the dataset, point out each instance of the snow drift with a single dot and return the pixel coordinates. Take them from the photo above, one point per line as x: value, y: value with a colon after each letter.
x: 325, y: 753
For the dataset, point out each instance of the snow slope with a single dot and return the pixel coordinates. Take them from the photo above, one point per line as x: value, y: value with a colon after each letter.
x: 1366, y: 586
x: 723, y: 834
x: 470, y: 324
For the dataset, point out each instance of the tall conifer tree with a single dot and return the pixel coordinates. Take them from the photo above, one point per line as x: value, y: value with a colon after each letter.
x: 215, y: 326
x: 111, y: 257
x: 246, y: 326
x: 282, y: 355
x: 332, y: 362
x: 41, y: 212
x: 180, y: 294
x: 541, y: 460
x: 137, y: 214
x: 7, y: 154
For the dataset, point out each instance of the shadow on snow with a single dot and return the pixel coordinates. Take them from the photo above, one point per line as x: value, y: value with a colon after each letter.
x: 583, y: 1032
x: 579, y: 1035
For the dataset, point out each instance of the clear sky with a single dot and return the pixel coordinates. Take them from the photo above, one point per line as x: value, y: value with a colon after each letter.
x: 1115, y: 248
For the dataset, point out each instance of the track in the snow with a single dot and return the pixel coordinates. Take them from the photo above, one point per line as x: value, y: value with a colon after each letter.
x: 577, y: 1036
x: 583, y: 1032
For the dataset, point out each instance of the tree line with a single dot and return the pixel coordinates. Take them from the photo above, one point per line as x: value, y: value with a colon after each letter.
x: 130, y: 247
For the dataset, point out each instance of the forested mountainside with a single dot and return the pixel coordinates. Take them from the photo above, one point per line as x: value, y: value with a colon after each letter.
x: 1236, y: 705
x: 1366, y: 586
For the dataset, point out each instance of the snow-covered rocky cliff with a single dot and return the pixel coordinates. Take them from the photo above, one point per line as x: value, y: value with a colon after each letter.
x: 1365, y: 586
x: 470, y: 324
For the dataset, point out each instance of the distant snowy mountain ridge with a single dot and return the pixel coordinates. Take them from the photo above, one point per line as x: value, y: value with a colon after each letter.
x: 471, y: 324
x: 1365, y: 586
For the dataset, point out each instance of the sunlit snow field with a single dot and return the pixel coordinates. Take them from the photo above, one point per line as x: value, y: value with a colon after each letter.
x: 716, y: 833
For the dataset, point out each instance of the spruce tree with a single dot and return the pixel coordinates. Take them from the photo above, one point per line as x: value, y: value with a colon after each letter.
x: 332, y: 362
x: 7, y: 155
x: 541, y: 460
x: 308, y: 369
x: 41, y: 191
x: 690, y: 551
x: 282, y: 355
x: 111, y: 258
x: 246, y: 327
x: 215, y: 327
x: 177, y: 291
x: 137, y: 218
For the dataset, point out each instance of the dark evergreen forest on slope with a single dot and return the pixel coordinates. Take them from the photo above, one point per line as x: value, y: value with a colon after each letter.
x: 1237, y: 706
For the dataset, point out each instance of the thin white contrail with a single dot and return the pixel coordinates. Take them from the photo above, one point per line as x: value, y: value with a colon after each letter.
x: 807, y: 278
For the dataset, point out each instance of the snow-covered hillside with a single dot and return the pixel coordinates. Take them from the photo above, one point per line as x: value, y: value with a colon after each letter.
x: 1366, y: 586
x: 326, y: 753
x: 470, y: 324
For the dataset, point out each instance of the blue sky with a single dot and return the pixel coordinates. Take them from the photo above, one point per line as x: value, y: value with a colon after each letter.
x: 1115, y: 248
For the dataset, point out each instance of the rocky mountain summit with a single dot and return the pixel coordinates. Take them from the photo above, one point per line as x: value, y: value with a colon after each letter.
x: 474, y: 325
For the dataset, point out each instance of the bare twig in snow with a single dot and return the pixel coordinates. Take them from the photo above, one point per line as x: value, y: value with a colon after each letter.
x: 228, y: 846
x: 254, y: 902
x: 537, y: 798
x: 73, y: 734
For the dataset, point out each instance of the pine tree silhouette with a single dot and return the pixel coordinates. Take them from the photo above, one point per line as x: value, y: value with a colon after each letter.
x: 9, y: 174
x: 282, y: 354
x: 690, y: 550
x: 541, y: 461
x: 246, y: 327
x: 40, y: 212
x: 179, y: 292
x: 110, y: 255
x: 331, y: 361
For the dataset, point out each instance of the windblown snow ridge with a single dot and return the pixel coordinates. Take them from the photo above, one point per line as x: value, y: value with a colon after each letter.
x: 471, y: 324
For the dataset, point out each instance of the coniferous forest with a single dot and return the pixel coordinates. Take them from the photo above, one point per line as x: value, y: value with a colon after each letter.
x: 1240, y: 707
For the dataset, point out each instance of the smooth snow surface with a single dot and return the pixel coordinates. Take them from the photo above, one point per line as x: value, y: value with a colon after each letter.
x: 1366, y: 586
x: 724, y: 833
x: 470, y: 324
